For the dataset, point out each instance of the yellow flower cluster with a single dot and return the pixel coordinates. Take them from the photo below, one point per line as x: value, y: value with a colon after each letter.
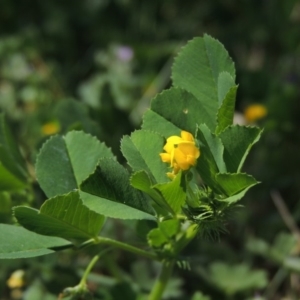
x: 181, y: 153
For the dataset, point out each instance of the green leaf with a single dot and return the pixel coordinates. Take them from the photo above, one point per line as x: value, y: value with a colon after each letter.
x: 64, y: 162
x: 155, y: 122
x: 233, y: 279
x: 169, y: 227
x: 225, y: 83
x: 196, y: 70
x: 113, y: 209
x: 13, y: 174
x: 156, y: 238
x: 179, y: 108
x: 206, y: 163
x: 174, y: 192
x: 9, y: 182
x: 107, y: 191
x: 141, y: 181
x: 142, y: 153
x: 216, y: 147
x: 235, y: 197
x: 78, y: 116
x: 234, y: 183
x: 17, y: 242
x: 63, y: 216
x: 238, y: 141
x: 226, y: 110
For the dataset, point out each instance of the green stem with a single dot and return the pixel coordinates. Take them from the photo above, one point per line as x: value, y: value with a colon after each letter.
x: 126, y: 247
x: 82, y: 283
x: 162, y: 280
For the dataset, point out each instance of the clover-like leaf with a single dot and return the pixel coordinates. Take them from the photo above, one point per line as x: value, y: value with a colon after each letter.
x: 64, y: 162
x: 63, y: 216
x: 197, y: 69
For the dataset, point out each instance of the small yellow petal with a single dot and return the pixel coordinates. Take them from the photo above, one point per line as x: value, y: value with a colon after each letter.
x: 187, y: 136
x: 165, y: 157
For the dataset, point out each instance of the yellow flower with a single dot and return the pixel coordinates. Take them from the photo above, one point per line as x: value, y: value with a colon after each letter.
x: 16, y: 279
x: 181, y: 153
x: 50, y: 128
x: 255, y: 112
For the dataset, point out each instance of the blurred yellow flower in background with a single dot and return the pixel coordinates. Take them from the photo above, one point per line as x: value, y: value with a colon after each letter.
x: 16, y: 279
x: 255, y: 112
x: 50, y: 128
x: 181, y: 153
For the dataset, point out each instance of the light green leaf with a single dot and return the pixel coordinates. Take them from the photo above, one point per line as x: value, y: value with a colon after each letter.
x: 196, y: 70
x: 238, y: 141
x: 141, y: 181
x: 225, y: 83
x: 206, y: 163
x: 142, y: 153
x: 63, y: 216
x: 17, y: 242
x: 235, y: 183
x: 64, y: 162
x: 174, y: 192
x: 226, y: 110
x: 216, y: 147
x: 156, y: 238
x: 169, y: 227
x: 236, y: 278
x: 108, y: 192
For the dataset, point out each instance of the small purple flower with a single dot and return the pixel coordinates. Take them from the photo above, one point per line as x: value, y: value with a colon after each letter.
x: 124, y: 53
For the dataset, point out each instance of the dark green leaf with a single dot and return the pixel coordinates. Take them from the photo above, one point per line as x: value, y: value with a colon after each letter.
x: 226, y: 110
x: 64, y: 162
x: 235, y: 183
x: 238, y: 141
x: 141, y: 181
x: 17, y: 242
x: 108, y: 192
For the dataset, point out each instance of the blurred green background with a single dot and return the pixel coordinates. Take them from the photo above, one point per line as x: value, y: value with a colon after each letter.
x: 94, y: 65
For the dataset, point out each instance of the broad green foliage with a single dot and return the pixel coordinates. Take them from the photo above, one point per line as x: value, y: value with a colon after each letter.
x: 85, y: 183
x: 63, y: 216
x: 13, y: 174
x: 108, y: 187
x: 17, y: 242
x: 64, y: 162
